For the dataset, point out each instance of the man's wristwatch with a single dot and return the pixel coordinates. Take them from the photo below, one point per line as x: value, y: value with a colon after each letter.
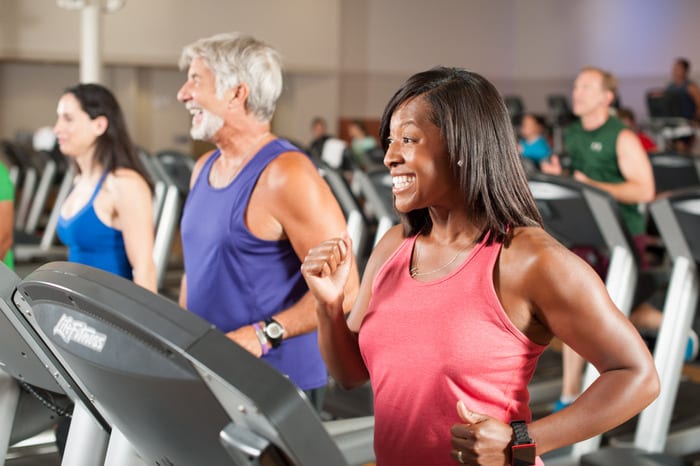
x: 274, y: 332
x: 523, y: 451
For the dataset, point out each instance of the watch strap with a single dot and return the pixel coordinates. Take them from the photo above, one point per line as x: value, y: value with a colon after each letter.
x: 262, y: 338
x: 524, y: 449
x: 520, y: 433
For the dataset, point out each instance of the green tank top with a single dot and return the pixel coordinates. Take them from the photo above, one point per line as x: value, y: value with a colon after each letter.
x: 594, y: 154
x: 7, y: 193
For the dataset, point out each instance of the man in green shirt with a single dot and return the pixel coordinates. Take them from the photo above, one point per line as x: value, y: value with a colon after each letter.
x: 7, y: 217
x: 609, y: 156
x: 604, y: 153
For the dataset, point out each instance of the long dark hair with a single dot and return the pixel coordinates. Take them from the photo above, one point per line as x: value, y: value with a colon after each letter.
x: 113, y: 148
x: 478, y: 133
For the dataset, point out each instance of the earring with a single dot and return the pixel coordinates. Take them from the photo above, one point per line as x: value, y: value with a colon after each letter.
x: 460, y: 163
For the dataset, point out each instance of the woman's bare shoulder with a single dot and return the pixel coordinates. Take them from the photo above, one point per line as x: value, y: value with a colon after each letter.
x: 529, y: 241
x: 125, y: 181
x: 533, y: 250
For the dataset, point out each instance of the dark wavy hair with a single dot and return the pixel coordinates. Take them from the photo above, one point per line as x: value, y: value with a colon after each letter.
x: 113, y: 148
x: 477, y: 130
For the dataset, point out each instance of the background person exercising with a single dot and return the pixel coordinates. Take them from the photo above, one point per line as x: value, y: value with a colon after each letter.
x: 609, y: 156
x: 107, y: 219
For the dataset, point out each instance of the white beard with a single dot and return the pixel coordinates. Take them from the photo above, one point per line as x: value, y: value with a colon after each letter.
x: 207, y: 128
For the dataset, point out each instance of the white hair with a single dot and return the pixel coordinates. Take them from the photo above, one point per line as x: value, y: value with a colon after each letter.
x: 235, y: 58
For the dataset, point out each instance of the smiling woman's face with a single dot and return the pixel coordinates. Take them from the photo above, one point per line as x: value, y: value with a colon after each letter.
x: 418, y: 160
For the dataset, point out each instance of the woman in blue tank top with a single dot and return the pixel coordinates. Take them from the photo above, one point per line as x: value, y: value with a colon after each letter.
x: 107, y: 219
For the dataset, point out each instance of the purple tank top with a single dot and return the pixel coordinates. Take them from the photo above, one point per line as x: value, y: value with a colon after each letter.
x: 235, y: 278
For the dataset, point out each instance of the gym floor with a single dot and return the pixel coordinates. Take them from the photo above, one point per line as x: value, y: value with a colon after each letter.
x: 38, y: 451
x: 50, y: 459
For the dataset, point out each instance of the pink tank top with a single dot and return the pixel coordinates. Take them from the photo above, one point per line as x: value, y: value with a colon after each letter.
x: 429, y: 344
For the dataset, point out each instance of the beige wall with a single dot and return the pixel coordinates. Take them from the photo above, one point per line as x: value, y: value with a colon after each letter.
x: 39, y: 52
x: 531, y: 47
x: 149, y: 32
x: 343, y: 58
x: 29, y: 92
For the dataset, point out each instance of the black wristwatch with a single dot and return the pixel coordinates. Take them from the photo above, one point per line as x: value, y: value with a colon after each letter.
x: 523, y: 451
x: 274, y: 332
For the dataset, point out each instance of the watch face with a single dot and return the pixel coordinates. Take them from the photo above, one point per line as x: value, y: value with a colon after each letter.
x: 273, y: 330
x: 523, y: 454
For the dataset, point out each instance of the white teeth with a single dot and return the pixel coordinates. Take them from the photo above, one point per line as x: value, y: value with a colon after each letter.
x: 401, y: 181
x: 193, y: 109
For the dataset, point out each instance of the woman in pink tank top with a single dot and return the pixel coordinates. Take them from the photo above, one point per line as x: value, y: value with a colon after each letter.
x: 458, y: 302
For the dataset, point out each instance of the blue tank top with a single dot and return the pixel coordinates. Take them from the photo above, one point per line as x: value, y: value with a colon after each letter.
x: 235, y: 278
x: 93, y: 243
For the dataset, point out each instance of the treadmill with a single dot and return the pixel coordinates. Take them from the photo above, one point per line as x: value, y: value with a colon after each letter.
x: 656, y: 440
x: 25, y: 361
x: 29, y: 171
x: 674, y: 171
x: 167, y: 220
x: 177, y: 389
x: 179, y: 167
x: 375, y: 186
x: 30, y: 247
x: 48, y: 169
x: 577, y: 214
x: 355, y: 219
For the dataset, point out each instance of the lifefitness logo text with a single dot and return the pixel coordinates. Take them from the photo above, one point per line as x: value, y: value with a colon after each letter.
x: 79, y: 332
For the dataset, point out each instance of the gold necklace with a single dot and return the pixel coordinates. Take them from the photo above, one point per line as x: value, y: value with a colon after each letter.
x: 413, y: 271
x: 240, y: 166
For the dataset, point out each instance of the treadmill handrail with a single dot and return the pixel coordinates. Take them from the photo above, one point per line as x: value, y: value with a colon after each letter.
x: 617, y: 234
